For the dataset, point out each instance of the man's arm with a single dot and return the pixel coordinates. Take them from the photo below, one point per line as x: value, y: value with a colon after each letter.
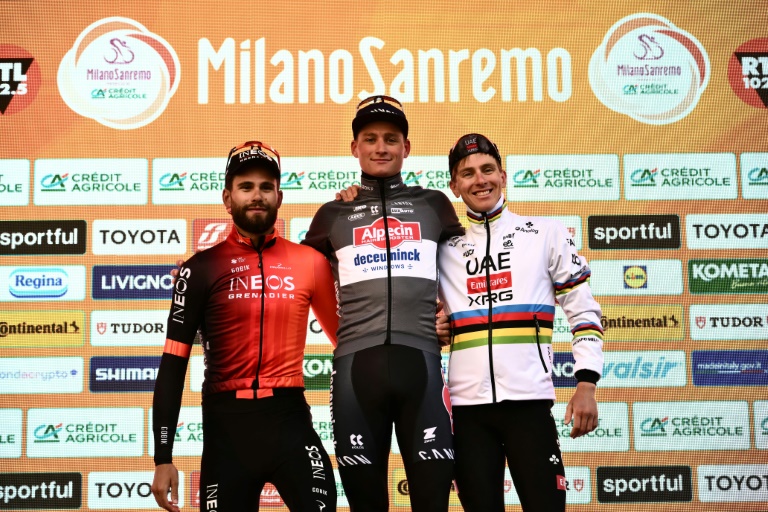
x: 183, y: 321
x: 570, y: 275
x: 320, y: 228
x: 324, y: 300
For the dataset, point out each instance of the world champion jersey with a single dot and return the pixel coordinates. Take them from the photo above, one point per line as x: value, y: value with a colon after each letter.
x: 251, y: 309
x: 383, y: 250
x: 500, y: 283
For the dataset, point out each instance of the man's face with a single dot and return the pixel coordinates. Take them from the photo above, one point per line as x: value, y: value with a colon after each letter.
x: 253, y: 202
x: 479, y: 181
x: 381, y: 148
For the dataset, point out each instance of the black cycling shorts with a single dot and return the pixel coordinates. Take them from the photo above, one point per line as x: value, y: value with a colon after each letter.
x: 374, y: 388
x: 250, y: 442
x: 525, y: 435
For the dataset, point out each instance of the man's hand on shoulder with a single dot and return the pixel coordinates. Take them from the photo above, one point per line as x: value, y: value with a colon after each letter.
x: 349, y: 194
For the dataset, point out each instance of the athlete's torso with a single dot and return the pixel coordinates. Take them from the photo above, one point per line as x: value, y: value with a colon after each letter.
x: 383, y: 251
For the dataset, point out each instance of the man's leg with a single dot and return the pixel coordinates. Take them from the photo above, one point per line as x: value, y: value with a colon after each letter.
x: 362, y: 427
x: 423, y: 426
x: 479, y: 458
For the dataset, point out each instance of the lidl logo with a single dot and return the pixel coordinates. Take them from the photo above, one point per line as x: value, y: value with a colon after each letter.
x: 635, y: 277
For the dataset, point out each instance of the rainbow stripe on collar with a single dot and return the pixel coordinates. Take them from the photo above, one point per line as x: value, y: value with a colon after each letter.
x: 492, y: 215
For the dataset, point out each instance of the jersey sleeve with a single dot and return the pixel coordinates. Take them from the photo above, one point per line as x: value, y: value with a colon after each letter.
x: 570, y: 277
x: 318, y: 235
x: 447, y: 214
x: 187, y: 304
x: 324, y: 301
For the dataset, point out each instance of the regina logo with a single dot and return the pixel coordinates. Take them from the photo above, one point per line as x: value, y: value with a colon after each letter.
x: 397, y: 232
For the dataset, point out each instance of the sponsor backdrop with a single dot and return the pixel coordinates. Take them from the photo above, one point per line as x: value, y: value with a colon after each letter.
x: 640, y: 125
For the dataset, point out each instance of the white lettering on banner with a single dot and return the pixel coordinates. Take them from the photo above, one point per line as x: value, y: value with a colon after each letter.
x: 250, y: 65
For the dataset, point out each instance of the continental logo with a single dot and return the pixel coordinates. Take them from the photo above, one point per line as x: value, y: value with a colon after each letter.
x: 37, y: 329
x: 643, y: 322
x: 726, y: 276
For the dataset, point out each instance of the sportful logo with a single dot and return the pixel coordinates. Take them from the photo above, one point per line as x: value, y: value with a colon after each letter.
x: 396, y: 231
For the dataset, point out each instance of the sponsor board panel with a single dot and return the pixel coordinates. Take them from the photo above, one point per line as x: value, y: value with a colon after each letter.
x: 636, y: 277
x: 44, y: 283
x: 316, y: 180
x: 91, y: 181
x: 10, y: 433
x: 428, y: 172
x: 196, y: 373
x: 321, y: 422
x: 85, y: 432
x: 627, y: 369
x: 562, y: 178
x: 128, y: 328
x: 727, y: 231
x: 649, y: 484
x: 38, y: 491
x: 725, y: 276
x: 729, y: 367
x: 315, y: 334
x: 633, y: 232
x: 675, y: 426
x: 14, y: 182
x: 125, y: 490
x: 317, y: 371
x: 754, y: 175
x: 188, y: 440
x: 42, y: 237
x: 760, y: 408
x: 139, y: 236
x: 41, y: 375
x: 37, y: 329
x: 208, y: 232
x: 728, y: 322
x: 611, y: 435
x: 132, y: 282
x: 643, y: 322
x: 187, y: 180
x: 561, y: 329
x: 733, y: 483
x: 298, y: 228
x: 676, y: 176
x: 121, y: 374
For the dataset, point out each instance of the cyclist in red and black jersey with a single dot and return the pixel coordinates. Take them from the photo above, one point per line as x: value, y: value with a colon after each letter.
x: 249, y: 297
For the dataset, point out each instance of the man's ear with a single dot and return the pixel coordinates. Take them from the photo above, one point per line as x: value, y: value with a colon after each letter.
x: 353, y: 148
x: 226, y: 198
x: 454, y: 187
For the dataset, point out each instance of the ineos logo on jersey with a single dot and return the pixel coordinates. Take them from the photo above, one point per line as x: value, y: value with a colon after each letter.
x: 396, y: 231
x: 634, y: 231
x: 42, y: 237
x: 254, y: 283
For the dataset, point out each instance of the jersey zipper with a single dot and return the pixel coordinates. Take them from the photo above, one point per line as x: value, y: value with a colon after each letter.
x: 388, y: 339
x: 538, y: 344
x: 256, y: 384
x: 490, y: 302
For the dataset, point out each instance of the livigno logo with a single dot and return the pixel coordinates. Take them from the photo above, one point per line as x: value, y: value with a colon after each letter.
x: 119, y: 74
x: 649, y: 69
x: 748, y: 275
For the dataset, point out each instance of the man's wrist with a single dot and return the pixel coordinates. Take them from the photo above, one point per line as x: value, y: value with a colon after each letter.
x: 587, y: 376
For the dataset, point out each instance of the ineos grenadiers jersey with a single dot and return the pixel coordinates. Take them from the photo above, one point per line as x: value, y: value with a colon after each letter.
x: 383, y: 250
x: 251, y: 308
x: 499, y: 283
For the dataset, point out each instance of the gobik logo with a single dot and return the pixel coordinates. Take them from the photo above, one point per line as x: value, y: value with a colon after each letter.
x: 20, y: 79
x: 748, y: 72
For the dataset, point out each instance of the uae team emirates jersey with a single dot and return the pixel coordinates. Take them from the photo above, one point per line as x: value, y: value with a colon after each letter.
x: 383, y: 250
x: 251, y: 309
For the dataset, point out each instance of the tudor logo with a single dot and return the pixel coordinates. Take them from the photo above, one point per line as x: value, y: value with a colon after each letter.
x: 701, y: 322
x: 101, y: 327
x: 397, y: 232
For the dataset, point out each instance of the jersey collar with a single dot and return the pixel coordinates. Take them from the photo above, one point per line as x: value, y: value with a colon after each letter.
x: 372, y: 186
x: 494, y: 214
